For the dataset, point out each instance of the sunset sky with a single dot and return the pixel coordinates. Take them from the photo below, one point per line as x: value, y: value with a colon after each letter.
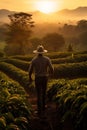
x: 41, y: 5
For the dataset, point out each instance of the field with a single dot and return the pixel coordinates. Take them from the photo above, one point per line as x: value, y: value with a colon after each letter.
x: 67, y: 90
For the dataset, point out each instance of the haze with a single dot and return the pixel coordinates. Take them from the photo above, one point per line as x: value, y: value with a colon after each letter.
x: 31, y: 5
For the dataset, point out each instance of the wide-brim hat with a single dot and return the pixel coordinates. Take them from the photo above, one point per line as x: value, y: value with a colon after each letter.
x: 40, y: 50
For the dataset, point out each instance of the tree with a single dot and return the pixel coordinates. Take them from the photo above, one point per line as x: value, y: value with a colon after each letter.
x: 70, y: 48
x: 35, y: 41
x: 19, y: 31
x: 81, y: 26
x: 68, y: 30
x: 53, y: 41
x: 3, y: 30
x: 83, y: 40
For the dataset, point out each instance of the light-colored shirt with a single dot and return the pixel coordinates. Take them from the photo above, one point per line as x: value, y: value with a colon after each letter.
x: 41, y: 65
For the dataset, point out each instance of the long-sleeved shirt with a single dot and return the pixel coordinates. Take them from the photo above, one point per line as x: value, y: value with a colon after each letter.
x: 40, y: 64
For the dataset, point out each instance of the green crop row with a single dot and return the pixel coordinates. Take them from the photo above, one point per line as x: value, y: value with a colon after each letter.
x: 71, y: 101
x: 14, y: 72
x: 24, y: 65
x: 52, y: 55
x: 15, y: 110
x: 70, y: 59
x: 55, y: 55
x: 23, y: 57
x: 13, y: 86
x: 70, y: 70
x: 17, y: 74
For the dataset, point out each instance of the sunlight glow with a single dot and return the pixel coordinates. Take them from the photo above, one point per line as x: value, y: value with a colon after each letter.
x: 47, y: 6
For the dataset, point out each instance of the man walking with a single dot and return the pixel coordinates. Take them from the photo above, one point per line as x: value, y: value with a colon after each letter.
x: 42, y: 67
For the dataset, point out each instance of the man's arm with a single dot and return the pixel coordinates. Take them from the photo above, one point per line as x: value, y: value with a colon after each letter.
x: 30, y: 72
x: 51, y: 68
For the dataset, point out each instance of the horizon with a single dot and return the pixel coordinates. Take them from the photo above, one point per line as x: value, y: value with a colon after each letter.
x: 49, y: 6
x: 65, y: 15
x: 43, y: 12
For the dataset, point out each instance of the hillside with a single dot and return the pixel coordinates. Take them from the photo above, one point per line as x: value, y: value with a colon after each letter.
x: 62, y: 15
x: 4, y: 15
x: 80, y: 11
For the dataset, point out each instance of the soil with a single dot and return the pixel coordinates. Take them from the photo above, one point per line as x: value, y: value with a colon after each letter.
x: 51, y: 120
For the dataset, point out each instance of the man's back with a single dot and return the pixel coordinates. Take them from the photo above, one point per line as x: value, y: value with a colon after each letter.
x: 40, y: 64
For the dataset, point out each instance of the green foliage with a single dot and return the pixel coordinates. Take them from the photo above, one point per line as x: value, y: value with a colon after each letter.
x: 8, y: 117
x: 70, y: 70
x: 65, y: 66
x: 19, y: 32
x: 12, y: 127
x: 2, y: 123
x: 53, y: 41
x: 18, y: 74
x: 23, y: 57
x: 35, y: 42
x: 24, y: 65
x: 71, y: 98
x: 22, y: 122
x: 70, y: 48
x: 55, y: 55
x: 83, y: 39
x: 2, y: 54
x: 83, y: 108
x: 14, y: 106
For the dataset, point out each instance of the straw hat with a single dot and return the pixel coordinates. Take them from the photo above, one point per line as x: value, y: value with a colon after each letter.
x: 40, y: 50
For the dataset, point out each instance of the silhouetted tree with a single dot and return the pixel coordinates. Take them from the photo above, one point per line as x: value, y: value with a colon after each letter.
x: 81, y: 25
x: 3, y: 29
x: 75, y: 34
x: 68, y: 30
x: 35, y: 41
x: 83, y: 39
x: 53, y: 41
x: 19, y: 32
x: 70, y: 48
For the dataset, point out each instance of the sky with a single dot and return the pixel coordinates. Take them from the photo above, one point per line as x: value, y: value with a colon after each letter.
x: 31, y: 5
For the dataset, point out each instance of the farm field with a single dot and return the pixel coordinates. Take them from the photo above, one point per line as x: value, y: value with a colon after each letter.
x: 66, y: 94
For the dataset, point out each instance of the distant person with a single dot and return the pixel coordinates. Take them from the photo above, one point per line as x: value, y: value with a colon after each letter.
x: 42, y: 67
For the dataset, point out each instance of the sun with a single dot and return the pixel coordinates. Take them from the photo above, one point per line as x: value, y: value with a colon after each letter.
x: 46, y: 6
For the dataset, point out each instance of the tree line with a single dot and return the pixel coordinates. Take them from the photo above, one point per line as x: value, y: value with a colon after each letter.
x: 75, y: 34
x: 20, y: 39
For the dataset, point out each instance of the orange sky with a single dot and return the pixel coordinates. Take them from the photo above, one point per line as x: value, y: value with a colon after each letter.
x: 30, y: 5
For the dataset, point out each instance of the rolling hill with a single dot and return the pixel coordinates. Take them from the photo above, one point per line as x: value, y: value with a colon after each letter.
x: 62, y: 15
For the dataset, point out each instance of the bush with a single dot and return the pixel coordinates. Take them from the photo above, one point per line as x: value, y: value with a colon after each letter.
x: 70, y: 97
x: 2, y: 54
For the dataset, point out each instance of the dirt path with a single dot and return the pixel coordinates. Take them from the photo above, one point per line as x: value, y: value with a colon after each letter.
x: 52, y: 121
